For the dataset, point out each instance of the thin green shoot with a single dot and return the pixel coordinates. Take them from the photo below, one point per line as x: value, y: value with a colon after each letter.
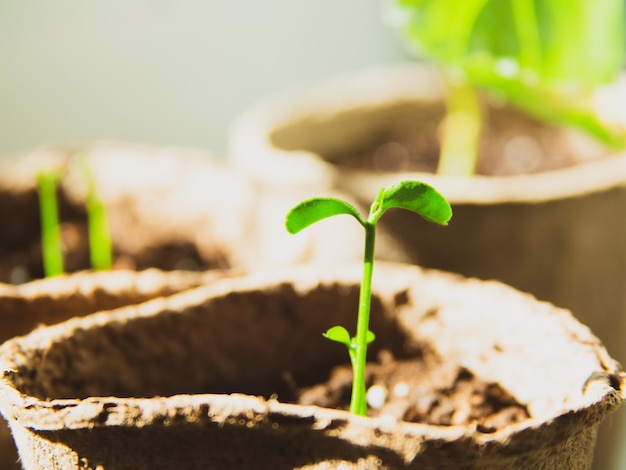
x: 411, y: 195
x: 461, y: 128
x: 51, y: 245
x: 100, y: 250
x: 100, y: 246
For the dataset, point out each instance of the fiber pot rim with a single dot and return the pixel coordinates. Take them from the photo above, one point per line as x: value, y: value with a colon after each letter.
x: 247, y: 411
x: 250, y: 411
x: 251, y: 148
x: 85, y: 282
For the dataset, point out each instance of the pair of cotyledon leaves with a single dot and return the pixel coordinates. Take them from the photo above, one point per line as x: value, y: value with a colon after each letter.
x: 411, y: 195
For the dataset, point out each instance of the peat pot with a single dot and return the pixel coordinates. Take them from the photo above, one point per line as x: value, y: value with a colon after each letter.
x: 48, y: 301
x: 543, y: 213
x: 229, y: 375
x: 160, y: 206
x: 168, y: 208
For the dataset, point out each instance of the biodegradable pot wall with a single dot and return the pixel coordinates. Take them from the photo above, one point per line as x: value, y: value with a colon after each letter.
x: 556, y: 232
x: 168, y: 208
x: 53, y: 300
x: 179, y: 382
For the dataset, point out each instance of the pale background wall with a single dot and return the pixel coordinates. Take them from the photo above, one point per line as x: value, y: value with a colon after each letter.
x: 171, y: 72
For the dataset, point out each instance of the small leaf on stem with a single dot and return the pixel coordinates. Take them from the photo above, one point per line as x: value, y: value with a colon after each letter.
x: 417, y: 197
x: 340, y: 335
x: 312, y: 210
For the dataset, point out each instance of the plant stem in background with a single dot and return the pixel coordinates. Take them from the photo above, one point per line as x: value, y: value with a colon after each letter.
x: 461, y: 128
x: 100, y: 250
x: 100, y: 247
x: 51, y: 248
x: 526, y: 25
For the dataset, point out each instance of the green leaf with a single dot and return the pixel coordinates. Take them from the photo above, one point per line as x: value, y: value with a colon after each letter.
x: 575, y: 41
x: 340, y: 335
x: 527, y: 50
x: 417, y: 197
x: 313, y: 210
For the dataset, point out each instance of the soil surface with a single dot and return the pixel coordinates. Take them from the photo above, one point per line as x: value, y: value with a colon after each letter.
x: 20, y: 253
x: 422, y: 390
x: 511, y: 143
x: 24, y: 264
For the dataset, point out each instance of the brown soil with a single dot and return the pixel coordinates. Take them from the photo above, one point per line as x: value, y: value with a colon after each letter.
x: 511, y: 143
x: 423, y: 390
x: 20, y: 244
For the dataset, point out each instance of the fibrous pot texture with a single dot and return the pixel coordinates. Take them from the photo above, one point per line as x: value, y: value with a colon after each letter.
x: 49, y: 301
x: 52, y: 300
x: 202, y: 379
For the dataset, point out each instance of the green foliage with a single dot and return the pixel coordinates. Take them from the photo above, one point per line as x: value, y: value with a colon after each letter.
x: 544, y: 42
x: 410, y: 195
x: 313, y: 210
x: 544, y: 56
x: 417, y: 197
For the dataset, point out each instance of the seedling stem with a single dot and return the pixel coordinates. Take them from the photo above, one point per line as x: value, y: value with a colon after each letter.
x: 411, y: 195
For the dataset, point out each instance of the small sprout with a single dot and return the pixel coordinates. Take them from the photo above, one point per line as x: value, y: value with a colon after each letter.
x: 51, y: 246
x: 411, y: 195
x: 545, y: 58
x: 100, y: 250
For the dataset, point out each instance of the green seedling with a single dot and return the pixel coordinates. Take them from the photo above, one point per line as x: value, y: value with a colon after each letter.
x: 52, y: 250
x: 100, y: 250
x: 544, y: 56
x: 100, y: 247
x: 411, y: 195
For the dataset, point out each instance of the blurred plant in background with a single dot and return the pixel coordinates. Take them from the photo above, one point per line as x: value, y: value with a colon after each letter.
x: 544, y: 56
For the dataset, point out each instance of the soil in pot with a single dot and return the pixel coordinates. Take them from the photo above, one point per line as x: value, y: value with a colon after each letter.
x: 423, y: 389
x: 159, y: 204
x: 20, y: 250
x: 420, y: 386
x: 511, y: 142
x: 410, y: 383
